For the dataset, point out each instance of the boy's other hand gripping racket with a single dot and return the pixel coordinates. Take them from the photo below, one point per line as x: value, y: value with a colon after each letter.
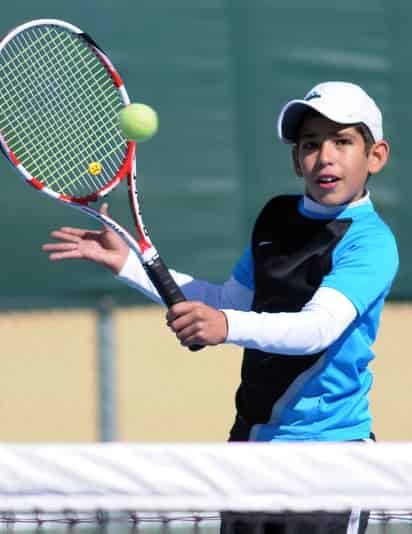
x: 60, y: 99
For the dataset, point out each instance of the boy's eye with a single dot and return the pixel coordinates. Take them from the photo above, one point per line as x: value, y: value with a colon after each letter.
x: 309, y: 145
x: 314, y: 145
x: 343, y: 141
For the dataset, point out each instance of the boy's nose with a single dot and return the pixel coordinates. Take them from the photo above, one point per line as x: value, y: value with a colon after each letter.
x: 326, y: 152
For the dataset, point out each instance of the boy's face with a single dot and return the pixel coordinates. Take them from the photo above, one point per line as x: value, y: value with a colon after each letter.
x: 332, y: 159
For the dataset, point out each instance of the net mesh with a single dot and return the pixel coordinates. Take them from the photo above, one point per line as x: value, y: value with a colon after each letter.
x: 59, y: 109
x: 194, y: 522
x: 239, y: 488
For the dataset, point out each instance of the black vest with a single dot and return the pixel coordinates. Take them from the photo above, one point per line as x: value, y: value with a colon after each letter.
x: 292, y: 253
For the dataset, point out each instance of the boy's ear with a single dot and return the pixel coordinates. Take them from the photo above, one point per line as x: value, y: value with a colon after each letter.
x: 378, y: 156
x: 295, y: 159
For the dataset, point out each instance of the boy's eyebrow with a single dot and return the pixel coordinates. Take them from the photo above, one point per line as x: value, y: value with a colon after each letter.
x: 339, y: 133
x: 345, y: 133
x: 308, y: 134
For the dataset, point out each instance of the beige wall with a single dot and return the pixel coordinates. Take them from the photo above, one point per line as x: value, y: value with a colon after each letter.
x: 48, y: 383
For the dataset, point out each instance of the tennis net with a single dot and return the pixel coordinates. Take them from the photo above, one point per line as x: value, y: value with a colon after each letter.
x: 164, y: 488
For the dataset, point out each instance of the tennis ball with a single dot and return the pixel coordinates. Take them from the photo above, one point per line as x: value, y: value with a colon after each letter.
x: 138, y: 122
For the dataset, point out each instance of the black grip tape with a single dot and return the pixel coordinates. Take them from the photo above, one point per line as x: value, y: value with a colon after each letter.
x: 166, y: 287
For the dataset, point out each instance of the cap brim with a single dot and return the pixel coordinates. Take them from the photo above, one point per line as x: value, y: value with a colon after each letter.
x: 291, y: 115
x: 290, y: 118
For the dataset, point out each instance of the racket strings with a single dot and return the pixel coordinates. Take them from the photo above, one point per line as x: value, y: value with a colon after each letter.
x: 105, y: 86
x: 57, y: 152
x: 84, y: 133
x: 82, y: 120
x: 42, y: 128
x: 20, y: 52
x: 60, y: 110
x: 73, y: 110
x: 35, y: 98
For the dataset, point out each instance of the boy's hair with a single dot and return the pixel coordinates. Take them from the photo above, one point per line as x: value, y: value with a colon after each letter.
x: 367, y: 136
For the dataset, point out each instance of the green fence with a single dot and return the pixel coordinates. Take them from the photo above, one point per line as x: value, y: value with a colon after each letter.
x: 217, y: 71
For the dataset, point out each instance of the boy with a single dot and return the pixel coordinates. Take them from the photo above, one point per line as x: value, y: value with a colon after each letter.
x: 305, y: 298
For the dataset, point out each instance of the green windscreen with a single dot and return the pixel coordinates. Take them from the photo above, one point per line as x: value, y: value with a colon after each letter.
x: 217, y: 72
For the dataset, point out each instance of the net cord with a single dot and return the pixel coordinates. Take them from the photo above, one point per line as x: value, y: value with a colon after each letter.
x: 207, y: 477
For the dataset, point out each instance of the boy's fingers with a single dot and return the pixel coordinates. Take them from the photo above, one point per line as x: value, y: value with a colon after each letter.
x: 77, y: 232
x: 179, y: 309
x: 59, y: 246
x: 65, y: 256
x: 75, y: 236
x: 104, y: 209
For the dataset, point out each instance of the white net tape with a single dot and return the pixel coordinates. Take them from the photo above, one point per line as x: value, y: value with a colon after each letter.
x: 207, y: 477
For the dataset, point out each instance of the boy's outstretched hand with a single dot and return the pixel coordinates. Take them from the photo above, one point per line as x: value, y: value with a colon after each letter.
x: 195, y: 323
x: 101, y: 246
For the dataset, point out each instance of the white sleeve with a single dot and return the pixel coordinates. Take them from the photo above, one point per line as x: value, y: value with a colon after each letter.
x: 232, y: 294
x: 320, y: 322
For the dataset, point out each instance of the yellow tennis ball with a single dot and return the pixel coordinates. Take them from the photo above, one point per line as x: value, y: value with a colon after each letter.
x: 95, y: 168
x: 138, y: 122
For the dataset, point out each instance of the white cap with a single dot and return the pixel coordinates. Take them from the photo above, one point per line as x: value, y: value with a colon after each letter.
x: 341, y: 102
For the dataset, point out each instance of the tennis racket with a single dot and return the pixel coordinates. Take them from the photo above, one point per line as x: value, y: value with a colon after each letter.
x: 60, y: 97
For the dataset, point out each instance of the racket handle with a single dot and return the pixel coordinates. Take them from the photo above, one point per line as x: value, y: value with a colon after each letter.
x: 166, y: 287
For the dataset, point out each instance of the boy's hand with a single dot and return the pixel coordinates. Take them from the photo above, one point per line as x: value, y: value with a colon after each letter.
x: 104, y: 247
x: 195, y: 323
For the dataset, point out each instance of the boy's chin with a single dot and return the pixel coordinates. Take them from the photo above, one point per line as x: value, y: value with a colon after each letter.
x: 331, y: 199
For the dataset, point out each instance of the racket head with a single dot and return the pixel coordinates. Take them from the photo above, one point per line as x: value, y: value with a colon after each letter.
x: 60, y: 97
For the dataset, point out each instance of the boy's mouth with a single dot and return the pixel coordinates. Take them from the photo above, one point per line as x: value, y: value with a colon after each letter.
x: 327, y: 181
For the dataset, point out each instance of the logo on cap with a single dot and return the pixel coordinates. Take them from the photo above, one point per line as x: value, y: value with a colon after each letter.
x: 312, y: 95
